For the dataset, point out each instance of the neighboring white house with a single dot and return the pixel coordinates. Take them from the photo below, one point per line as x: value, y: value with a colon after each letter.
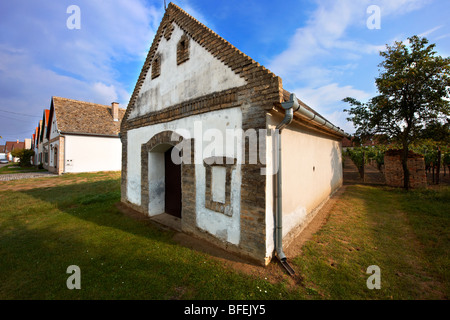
x: 82, y: 137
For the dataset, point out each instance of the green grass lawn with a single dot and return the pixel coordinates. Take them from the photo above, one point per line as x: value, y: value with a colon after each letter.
x: 44, y: 229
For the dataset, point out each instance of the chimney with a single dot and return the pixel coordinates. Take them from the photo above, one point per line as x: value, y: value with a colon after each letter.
x: 115, y: 111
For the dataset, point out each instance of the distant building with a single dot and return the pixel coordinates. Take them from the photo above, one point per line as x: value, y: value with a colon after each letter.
x: 80, y: 136
x: 11, y: 146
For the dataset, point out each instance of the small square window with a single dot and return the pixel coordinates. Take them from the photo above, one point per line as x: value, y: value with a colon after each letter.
x: 218, y: 184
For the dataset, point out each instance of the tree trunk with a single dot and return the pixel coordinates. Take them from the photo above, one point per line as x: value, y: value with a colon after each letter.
x: 438, y: 169
x: 363, y: 167
x: 405, y: 166
x: 432, y: 175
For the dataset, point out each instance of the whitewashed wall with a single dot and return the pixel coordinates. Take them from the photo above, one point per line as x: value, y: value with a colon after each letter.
x: 54, y: 127
x: 202, y: 74
x: 311, y: 172
x: 89, y: 154
x: 222, y: 226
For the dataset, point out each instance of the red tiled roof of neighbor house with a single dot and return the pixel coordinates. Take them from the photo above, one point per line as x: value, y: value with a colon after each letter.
x: 18, y: 146
x: 346, y: 142
x: 14, y: 145
x: 47, y: 112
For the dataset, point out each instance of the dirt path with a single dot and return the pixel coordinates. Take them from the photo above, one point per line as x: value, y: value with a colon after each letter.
x: 26, y: 175
x: 371, y: 174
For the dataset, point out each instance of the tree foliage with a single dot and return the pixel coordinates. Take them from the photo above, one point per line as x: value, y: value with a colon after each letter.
x: 24, y: 156
x: 414, y: 93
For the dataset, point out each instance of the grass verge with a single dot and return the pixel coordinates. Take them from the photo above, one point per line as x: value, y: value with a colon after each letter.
x: 73, y: 221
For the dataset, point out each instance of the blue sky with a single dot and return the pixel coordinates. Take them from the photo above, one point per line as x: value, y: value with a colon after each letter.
x: 322, y: 49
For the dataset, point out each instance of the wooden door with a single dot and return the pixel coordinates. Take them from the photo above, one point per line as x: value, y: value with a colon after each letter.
x: 55, y: 158
x: 173, y: 185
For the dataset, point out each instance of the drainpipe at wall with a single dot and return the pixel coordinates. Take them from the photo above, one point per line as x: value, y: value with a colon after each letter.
x: 290, y: 107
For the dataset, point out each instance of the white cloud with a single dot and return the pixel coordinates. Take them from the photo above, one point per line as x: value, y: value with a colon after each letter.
x: 321, y: 98
x: 443, y: 36
x: 327, y: 101
x: 42, y: 57
x: 428, y: 32
x: 321, y: 52
x: 325, y: 35
x: 102, y: 91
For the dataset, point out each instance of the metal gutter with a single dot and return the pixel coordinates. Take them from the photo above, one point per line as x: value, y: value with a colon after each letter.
x: 312, y: 117
x: 290, y: 107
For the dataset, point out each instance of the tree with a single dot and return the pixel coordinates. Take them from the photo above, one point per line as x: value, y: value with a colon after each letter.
x: 438, y: 131
x: 24, y: 156
x: 413, y: 88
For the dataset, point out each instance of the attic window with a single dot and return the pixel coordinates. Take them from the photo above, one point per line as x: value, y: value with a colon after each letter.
x: 168, y: 31
x: 183, y: 49
x: 156, y: 66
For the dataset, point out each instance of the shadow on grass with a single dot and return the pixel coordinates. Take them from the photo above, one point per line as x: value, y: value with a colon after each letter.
x: 371, y: 225
x: 99, y: 202
x: 34, y: 264
x: 52, y: 228
x: 95, y: 202
x: 392, y: 242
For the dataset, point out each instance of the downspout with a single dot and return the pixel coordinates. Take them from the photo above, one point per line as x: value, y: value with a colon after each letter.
x: 290, y: 107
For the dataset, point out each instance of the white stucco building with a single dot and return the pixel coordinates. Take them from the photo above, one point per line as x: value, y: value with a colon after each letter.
x: 81, y: 137
x: 226, y: 114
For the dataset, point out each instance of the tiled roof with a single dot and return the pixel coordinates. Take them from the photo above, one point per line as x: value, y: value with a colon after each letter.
x: 14, y: 145
x: 81, y: 117
x: 18, y: 146
x: 44, y: 123
x: 47, y: 112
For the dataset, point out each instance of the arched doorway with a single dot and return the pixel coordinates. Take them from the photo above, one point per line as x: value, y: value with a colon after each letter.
x: 162, y: 179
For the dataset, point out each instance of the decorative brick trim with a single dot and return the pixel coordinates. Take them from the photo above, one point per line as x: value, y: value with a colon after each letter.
x: 262, y: 83
x: 211, y: 102
x: 229, y: 164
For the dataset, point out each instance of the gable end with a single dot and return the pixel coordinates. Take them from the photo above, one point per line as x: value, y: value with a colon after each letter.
x: 242, y: 65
